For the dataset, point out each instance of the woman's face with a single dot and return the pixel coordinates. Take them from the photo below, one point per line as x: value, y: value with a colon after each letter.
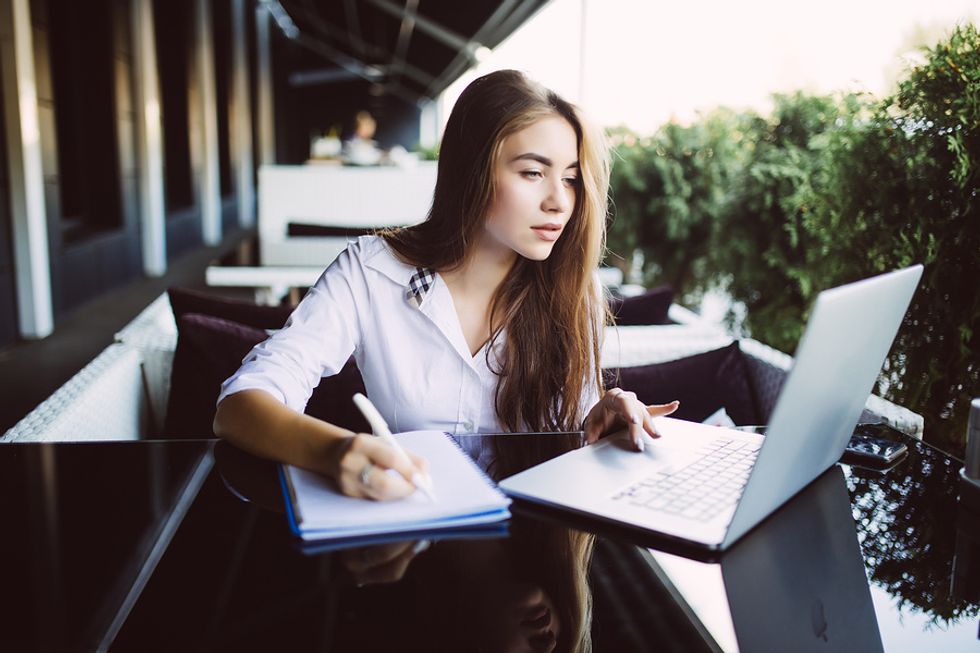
x: 536, y: 179
x: 522, y: 618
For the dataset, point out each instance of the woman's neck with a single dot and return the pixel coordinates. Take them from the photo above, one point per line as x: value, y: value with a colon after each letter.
x: 472, y: 286
x: 481, y: 273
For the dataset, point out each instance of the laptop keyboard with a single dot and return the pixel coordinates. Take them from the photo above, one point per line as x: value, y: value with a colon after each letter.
x: 702, y: 489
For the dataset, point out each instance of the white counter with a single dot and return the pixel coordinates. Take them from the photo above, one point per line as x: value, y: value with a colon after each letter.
x: 335, y: 196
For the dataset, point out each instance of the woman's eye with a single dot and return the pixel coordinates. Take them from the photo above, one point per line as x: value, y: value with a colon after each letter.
x: 532, y: 174
x: 571, y: 182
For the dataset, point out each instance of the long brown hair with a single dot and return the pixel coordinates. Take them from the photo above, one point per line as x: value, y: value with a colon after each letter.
x: 553, y: 310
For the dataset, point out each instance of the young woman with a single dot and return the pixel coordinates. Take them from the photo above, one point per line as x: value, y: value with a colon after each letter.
x: 486, y: 317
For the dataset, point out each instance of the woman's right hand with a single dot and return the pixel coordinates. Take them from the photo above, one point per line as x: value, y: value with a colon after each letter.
x: 259, y: 423
x: 381, y: 563
x: 360, y: 465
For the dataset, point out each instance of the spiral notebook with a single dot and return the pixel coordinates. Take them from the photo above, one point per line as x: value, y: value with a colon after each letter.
x: 464, y: 497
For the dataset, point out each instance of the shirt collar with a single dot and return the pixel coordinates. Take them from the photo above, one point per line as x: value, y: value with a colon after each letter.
x: 419, y: 285
x: 417, y: 281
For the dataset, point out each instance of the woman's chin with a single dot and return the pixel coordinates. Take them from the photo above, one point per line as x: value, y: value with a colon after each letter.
x: 537, y: 252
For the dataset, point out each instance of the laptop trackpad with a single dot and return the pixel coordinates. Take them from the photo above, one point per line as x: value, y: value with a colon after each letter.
x: 614, y: 462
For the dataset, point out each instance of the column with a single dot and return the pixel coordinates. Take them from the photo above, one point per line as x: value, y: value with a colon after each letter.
x: 267, y: 143
x: 29, y: 219
x: 210, y: 172
x: 242, y: 117
x: 149, y: 136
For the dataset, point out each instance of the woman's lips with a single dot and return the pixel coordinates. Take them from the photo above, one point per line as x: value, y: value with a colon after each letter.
x: 548, y: 232
x: 543, y: 642
x: 538, y: 618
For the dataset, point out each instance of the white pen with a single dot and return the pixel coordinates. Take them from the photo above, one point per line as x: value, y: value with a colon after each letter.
x: 380, y: 428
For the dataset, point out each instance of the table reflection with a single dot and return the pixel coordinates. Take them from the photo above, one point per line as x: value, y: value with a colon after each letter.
x: 903, y: 516
x: 795, y: 582
x: 529, y: 589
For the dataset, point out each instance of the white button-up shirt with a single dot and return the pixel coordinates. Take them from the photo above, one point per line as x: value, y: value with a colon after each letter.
x: 401, y: 326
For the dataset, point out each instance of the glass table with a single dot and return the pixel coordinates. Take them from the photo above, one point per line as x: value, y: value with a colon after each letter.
x: 183, y: 545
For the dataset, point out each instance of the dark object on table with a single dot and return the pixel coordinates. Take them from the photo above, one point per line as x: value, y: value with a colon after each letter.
x: 875, y: 446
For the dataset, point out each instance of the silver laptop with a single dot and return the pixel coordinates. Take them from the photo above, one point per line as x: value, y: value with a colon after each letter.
x: 707, y: 486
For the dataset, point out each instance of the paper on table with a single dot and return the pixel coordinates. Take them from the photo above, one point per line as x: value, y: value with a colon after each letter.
x: 464, y: 496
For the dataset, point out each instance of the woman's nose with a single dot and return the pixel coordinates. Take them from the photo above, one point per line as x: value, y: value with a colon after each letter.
x: 559, y: 199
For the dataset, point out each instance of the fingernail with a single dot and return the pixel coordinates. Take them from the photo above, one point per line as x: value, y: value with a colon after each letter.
x: 635, y: 419
x: 421, y: 546
x: 640, y: 446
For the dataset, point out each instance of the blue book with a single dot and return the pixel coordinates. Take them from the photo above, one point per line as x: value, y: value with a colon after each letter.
x: 317, y: 510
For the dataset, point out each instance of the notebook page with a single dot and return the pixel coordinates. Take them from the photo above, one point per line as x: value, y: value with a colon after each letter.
x: 463, y: 495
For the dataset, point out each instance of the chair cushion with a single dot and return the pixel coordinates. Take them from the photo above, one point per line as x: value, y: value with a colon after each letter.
x: 210, y: 349
x: 703, y: 383
x: 185, y: 405
x: 184, y: 300
x: 649, y: 308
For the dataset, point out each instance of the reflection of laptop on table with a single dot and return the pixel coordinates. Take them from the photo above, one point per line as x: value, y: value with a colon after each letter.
x: 797, y: 583
x: 706, y: 486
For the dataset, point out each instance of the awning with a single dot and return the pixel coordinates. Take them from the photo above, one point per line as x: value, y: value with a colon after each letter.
x: 412, y: 49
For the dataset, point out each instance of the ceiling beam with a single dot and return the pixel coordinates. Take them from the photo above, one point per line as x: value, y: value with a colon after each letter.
x: 430, y: 27
x: 321, y: 76
x: 398, y: 58
x: 366, y: 50
x: 369, y: 72
x: 354, y: 25
x: 464, y: 60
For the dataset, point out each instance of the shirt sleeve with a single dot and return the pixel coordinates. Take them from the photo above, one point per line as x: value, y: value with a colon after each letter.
x: 317, y: 340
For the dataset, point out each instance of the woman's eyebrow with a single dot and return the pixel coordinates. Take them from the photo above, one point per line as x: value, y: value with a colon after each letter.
x: 531, y: 156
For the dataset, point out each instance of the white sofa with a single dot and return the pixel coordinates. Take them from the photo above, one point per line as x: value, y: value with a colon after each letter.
x: 122, y: 394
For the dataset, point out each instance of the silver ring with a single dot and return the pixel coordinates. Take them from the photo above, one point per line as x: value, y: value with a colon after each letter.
x: 366, y: 474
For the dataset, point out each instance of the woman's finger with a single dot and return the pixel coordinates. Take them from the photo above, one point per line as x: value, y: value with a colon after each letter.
x: 636, y: 430
x: 384, y: 455
x: 364, y: 471
x: 649, y: 426
x: 659, y: 410
x: 381, y: 484
x: 630, y: 410
x: 420, y: 463
x: 384, y: 486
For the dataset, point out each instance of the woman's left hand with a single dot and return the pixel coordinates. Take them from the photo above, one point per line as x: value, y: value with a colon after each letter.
x: 620, y: 409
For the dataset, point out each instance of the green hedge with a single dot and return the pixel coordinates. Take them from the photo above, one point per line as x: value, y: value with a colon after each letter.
x: 826, y: 190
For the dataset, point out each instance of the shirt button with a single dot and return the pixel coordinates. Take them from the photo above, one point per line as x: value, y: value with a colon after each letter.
x: 468, y: 425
